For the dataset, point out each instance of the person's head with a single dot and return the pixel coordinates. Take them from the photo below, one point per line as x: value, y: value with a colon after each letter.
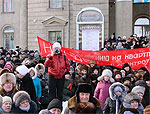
x: 55, y: 106
x: 21, y: 99
x: 106, y: 76
x: 40, y: 68
x: 67, y: 75
x: 123, y: 72
x: 117, y: 90
x: 133, y: 99
x: 92, y: 63
x: 8, y: 81
x: 71, y: 70
x: 6, y: 104
x: 119, y: 44
x: 128, y: 88
x: 126, y: 80
x: 21, y: 71
x: 146, y: 78
x: 126, y: 67
x: 141, y: 83
x: 56, y: 48
x: 83, y: 92
x: 138, y: 90
x: 32, y: 72
x: 117, y: 76
x: 84, y: 69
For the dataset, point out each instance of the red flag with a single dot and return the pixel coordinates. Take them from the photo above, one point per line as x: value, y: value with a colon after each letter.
x: 136, y: 58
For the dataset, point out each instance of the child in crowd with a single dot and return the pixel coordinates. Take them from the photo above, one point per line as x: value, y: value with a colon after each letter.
x: 102, y: 88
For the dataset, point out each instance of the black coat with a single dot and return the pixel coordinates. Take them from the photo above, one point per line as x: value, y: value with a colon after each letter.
x: 33, y: 109
x: 110, y: 106
x: 26, y: 84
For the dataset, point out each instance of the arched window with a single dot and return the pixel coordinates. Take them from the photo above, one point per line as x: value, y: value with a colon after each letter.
x: 142, y: 27
x: 8, y: 34
x: 90, y: 29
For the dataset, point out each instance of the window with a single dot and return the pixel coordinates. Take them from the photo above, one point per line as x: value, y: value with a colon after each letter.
x: 8, y: 38
x: 55, y: 3
x: 55, y: 36
x: 142, y: 27
x: 8, y: 5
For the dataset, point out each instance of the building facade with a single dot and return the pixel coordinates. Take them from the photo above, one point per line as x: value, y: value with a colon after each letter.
x: 79, y: 24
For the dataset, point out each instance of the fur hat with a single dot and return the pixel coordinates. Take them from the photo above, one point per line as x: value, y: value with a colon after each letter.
x: 141, y: 83
x: 117, y: 86
x: 85, y: 107
x: 20, y: 96
x: 40, y: 66
x: 147, y: 110
x: 1, y: 100
x: 92, y: 62
x: 106, y: 72
x: 130, y: 97
x: 55, y: 103
x: 8, y: 77
x: 7, y: 99
x: 56, y: 44
x: 4, y: 70
x: 146, y: 77
x: 138, y: 89
x: 84, y: 67
x: 84, y: 87
x: 126, y: 78
x: 22, y: 69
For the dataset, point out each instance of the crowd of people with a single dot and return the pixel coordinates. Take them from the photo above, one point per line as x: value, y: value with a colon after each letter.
x: 55, y: 85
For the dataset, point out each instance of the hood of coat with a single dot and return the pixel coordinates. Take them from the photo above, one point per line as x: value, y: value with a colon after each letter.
x: 40, y: 66
x: 35, y: 72
x: 112, y: 92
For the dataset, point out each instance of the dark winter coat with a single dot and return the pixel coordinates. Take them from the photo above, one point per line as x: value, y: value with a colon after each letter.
x: 69, y: 89
x: 110, y: 103
x: 26, y: 84
x: 72, y: 104
x: 57, y: 65
x: 33, y: 109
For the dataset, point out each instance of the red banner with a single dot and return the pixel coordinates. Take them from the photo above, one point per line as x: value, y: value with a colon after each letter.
x: 136, y: 58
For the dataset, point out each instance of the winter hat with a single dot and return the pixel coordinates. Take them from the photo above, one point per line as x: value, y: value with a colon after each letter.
x: 40, y: 66
x: 92, y: 62
x: 126, y: 78
x: 84, y: 87
x: 71, y: 68
x: 146, y: 77
x: 8, y: 77
x: 9, y: 65
x: 1, y: 100
x: 141, y: 83
x: 84, y: 67
x: 147, y: 110
x: 4, y: 70
x: 130, y: 97
x: 106, y: 72
x: 7, y: 99
x: 55, y: 103
x: 138, y: 89
x: 56, y: 44
x: 126, y: 65
x: 22, y: 69
x: 21, y: 96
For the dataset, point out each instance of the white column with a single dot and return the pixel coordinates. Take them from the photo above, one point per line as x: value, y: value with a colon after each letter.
x: 24, y: 24
x: 123, y: 17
